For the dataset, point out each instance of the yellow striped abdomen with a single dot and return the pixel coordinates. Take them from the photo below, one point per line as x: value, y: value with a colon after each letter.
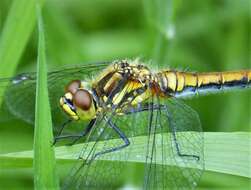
x: 177, y: 84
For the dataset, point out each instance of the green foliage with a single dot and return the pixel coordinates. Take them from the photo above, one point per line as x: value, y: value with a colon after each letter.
x: 15, y: 35
x: 44, y: 160
x: 220, y: 153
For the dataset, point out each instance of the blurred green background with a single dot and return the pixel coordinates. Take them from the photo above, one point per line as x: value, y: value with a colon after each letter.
x: 194, y: 35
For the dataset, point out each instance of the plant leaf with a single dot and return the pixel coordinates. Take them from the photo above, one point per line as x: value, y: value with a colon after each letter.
x: 44, y: 159
x: 17, y: 29
x: 224, y: 153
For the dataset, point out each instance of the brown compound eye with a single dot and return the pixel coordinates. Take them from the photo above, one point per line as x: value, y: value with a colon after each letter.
x: 82, y: 99
x: 73, y: 86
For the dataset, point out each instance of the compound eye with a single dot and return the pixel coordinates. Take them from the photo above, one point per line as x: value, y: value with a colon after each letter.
x: 82, y: 99
x: 73, y: 86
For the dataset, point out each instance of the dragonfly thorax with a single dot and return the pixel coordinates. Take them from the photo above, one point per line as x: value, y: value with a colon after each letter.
x: 78, y: 101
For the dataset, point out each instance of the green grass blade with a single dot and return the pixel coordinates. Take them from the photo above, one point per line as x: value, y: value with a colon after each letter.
x: 44, y: 159
x: 228, y: 153
x: 17, y: 29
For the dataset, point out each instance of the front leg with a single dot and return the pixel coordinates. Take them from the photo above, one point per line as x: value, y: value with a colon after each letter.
x: 121, y: 135
x: 76, y: 136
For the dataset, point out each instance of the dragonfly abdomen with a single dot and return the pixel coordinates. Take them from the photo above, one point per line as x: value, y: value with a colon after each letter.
x: 178, y: 84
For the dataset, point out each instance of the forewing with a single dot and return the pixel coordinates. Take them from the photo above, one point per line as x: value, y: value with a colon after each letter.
x: 163, y: 125
x: 107, y: 171
x: 174, y: 152
x: 19, y: 96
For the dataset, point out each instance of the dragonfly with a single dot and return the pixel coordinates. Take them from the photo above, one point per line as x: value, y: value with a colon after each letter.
x: 112, y: 106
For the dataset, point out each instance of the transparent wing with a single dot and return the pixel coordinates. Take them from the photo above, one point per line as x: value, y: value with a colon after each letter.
x: 99, y: 172
x: 19, y: 95
x: 104, y: 171
x: 174, y: 152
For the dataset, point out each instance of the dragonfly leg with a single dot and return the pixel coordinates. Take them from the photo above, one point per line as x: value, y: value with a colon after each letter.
x: 76, y: 136
x: 121, y: 135
x: 62, y: 127
x: 177, y: 147
x: 148, y: 107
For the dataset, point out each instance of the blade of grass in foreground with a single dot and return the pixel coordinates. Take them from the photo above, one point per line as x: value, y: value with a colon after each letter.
x: 44, y: 159
x: 17, y: 29
x: 228, y: 153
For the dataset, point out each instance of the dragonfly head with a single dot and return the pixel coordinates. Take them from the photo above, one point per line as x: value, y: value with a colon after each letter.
x: 78, y: 101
